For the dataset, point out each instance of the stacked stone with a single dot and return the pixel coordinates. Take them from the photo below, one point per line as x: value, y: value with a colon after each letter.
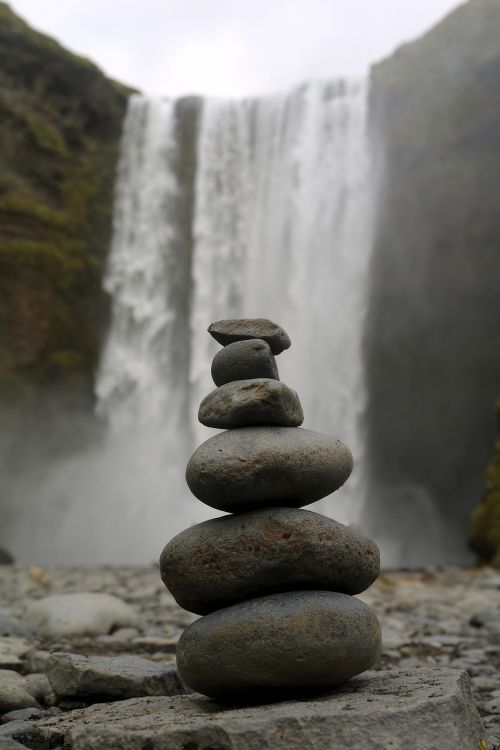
x: 275, y: 583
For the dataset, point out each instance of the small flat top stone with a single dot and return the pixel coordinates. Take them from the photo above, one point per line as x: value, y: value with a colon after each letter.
x: 421, y: 709
x: 228, y: 331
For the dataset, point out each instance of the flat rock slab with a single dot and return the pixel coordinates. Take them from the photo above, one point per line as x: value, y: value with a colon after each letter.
x: 73, y: 675
x: 229, y: 331
x: 261, y: 401
x: 421, y: 709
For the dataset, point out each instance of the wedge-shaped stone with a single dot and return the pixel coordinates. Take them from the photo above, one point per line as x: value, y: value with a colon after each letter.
x: 122, y: 676
x: 244, y: 360
x: 251, y: 467
x: 283, y: 642
x: 227, y: 331
x: 226, y: 560
x: 251, y: 402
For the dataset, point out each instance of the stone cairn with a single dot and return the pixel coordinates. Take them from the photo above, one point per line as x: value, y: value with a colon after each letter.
x: 274, y: 582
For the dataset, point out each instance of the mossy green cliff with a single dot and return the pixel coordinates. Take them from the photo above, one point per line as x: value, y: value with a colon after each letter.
x: 485, y: 528
x: 60, y: 124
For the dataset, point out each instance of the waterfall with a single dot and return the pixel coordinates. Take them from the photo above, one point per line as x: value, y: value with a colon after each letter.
x: 280, y: 227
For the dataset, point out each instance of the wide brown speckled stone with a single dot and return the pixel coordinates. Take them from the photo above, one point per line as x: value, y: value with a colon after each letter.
x: 226, y: 560
x: 227, y: 331
x: 251, y: 467
x: 296, y: 641
x: 261, y: 401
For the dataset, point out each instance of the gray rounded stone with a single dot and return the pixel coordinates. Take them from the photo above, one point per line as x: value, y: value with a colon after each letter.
x: 226, y: 560
x: 228, y: 331
x: 261, y: 401
x: 301, y: 640
x: 251, y: 467
x: 244, y: 360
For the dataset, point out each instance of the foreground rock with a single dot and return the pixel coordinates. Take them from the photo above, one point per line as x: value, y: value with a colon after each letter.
x: 244, y: 360
x: 229, y: 331
x: 226, y: 560
x: 421, y: 709
x: 248, y: 467
x: 79, y: 614
x: 75, y: 676
x: 283, y: 642
x: 261, y: 401
x: 15, y: 692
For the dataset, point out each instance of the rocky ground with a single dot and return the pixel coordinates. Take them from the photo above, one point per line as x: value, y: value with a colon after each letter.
x: 446, y: 617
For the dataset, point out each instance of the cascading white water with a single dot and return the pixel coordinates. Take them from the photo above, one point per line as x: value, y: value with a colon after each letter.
x: 281, y: 228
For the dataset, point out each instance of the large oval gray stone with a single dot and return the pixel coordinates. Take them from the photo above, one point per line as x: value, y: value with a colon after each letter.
x: 293, y: 641
x: 251, y: 467
x: 227, y: 331
x: 244, y: 360
x: 261, y: 401
x: 226, y: 560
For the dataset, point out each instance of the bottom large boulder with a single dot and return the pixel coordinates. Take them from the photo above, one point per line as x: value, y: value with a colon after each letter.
x: 277, y: 644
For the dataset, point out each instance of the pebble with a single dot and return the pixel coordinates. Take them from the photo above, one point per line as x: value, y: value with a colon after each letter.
x: 418, y: 605
x: 229, y: 331
x: 486, y: 618
x: 251, y: 402
x: 249, y: 467
x: 37, y: 683
x: 244, y: 360
x: 76, y: 676
x: 14, y: 692
x: 7, y: 743
x: 79, y: 614
x: 10, y: 625
x: 293, y: 641
x: 28, y: 714
x: 229, y: 559
x: 11, y: 649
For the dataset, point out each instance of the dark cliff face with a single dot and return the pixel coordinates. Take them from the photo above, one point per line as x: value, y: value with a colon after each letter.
x: 60, y: 124
x: 433, y: 338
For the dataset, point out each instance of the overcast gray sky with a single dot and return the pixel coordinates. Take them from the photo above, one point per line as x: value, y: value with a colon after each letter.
x: 231, y: 47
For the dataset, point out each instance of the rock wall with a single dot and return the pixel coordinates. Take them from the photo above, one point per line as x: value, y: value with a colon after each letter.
x: 60, y: 124
x: 485, y: 530
x: 433, y: 338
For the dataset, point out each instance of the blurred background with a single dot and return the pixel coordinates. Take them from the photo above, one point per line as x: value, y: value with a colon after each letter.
x: 333, y: 166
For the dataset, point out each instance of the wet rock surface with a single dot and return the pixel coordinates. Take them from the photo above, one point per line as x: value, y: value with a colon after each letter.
x: 243, y: 468
x: 418, y: 709
x: 261, y: 401
x: 426, y: 624
x: 232, y: 558
x: 244, y: 360
x: 229, y: 331
x: 272, y: 644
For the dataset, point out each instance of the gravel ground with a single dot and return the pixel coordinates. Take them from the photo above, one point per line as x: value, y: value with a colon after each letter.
x: 447, y: 616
